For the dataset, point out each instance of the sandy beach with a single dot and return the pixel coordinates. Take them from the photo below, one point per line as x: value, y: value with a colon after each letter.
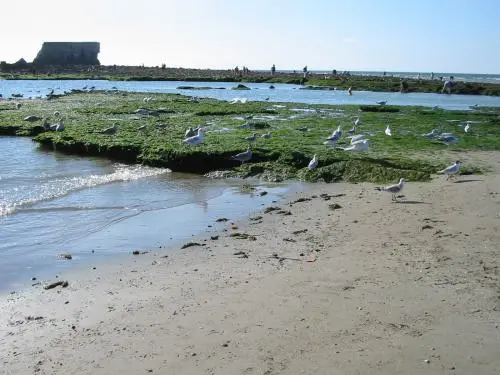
x: 335, y: 280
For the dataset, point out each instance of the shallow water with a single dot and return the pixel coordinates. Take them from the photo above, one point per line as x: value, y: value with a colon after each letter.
x: 51, y: 203
x: 258, y: 92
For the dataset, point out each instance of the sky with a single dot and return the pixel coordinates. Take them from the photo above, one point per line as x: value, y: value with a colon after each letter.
x: 459, y: 36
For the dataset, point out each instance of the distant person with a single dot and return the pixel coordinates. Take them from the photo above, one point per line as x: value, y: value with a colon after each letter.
x: 334, y: 72
x: 448, y: 84
x: 432, y: 76
x: 273, y: 69
x: 403, y: 87
x: 304, y: 70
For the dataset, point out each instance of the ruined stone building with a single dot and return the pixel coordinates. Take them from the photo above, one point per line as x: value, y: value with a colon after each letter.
x: 68, y: 53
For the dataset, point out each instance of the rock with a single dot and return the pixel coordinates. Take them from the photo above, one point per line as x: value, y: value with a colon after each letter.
x: 243, y: 236
x: 222, y: 220
x: 213, y: 238
x: 299, y: 231
x: 64, y: 284
x: 137, y: 252
x: 68, y: 53
x: 300, y: 200
x: 67, y: 256
x: 255, y: 218
x: 271, y: 209
x: 334, y: 206
x: 191, y: 244
x: 241, y: 87
x: 262, y: 193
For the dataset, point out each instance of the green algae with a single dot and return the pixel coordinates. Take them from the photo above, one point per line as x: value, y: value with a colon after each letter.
x: 282, y: 157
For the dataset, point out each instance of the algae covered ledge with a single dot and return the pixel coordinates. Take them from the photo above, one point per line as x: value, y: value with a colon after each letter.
x: 282, y: 137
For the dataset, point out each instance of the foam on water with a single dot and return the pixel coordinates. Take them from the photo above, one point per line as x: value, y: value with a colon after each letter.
x: 18, y: 198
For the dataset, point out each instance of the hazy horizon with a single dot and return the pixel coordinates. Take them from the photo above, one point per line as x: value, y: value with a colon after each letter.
x: 358, y: 35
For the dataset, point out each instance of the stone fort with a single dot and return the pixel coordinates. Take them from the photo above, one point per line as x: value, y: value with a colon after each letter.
x: 68, y: 53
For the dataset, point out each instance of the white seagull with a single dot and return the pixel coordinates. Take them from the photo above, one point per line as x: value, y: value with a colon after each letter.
x: 335, y: 135
x: 395, y: 189
x: 190, y: 132
x: 313, y: 163
x: 357, y: 137
x: 251, y: 138
x: 451, y: 170
x: 352, y: 131
x: 243, y: 156
x: 357, y: 146
x: 111, y: 130
x: 266, y: 135
x: 467, y: 127
x: 356, y: 122
x: 431, y: 134
x: 195, y: 139
x: 388, y: 131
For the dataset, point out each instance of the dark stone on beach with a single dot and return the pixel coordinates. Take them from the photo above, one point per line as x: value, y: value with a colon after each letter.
x: 427, y: 226
x: 64, y: 284
x: 300, y: 200
x: 67, y: 256
x: 299, y: 231
x: 137, y: 252
x: 191, y: 244
x: 262, y: 193
x: 243, y: 236
x: 334, y: 206
x: 214, y: 238
x: 222, y: 220
x: 33, y: 278
x: 271, y: 209
x: 255, y: 218
x: 241, y: 254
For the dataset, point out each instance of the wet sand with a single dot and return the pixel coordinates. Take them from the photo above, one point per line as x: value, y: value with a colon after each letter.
x: 345, y: 282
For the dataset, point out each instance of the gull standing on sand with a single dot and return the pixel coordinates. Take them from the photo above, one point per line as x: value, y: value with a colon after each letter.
x: 357, y: 121
x: 467, y: 127
x: 395, y: 189
x: 196, y: 139
x: 388, y: 131
x: 313, y: 163
x: 451, y: 170
x: 357, y: 137
x: 243, y: 156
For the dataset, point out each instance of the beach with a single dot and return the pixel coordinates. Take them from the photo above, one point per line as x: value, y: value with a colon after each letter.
x: 334, y: 280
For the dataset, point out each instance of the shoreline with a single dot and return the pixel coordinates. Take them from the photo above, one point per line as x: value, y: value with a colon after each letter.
x: 391, y: 288
x: 314, y: 80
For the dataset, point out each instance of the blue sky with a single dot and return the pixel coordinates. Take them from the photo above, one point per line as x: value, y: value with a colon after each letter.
x: 384, y: 35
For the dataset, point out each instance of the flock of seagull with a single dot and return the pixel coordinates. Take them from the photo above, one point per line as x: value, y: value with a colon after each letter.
x: 357, y: 143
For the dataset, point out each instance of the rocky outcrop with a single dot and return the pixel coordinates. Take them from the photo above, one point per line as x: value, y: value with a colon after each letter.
x: 68, y: 53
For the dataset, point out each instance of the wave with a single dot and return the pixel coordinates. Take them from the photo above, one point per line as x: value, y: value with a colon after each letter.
x: 15, y: 199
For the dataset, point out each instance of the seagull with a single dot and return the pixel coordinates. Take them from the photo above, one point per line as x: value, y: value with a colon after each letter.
x: 32, y: 118
x: 357, y: 146
x: 57, y: 127
x: 451, y: 170
x: 388, y: 131
x: 313, y: 163
x: 111, y: 130
x: 142, y: 127
x: 243, y: 156
x: 238, y: 100
x: 349, y: 91
x: 431, y: 134
x: 335, y: 135
x: 190, y: 133
x: 352, y: 131
x: 467, y: 127
x: 266, y: 135
x: 357, y: 121
x: 251, y: 138
x: 394, y: 189
x: 196, y: 139
x: 382, y: 102
x: 355, y: 138
x: 448, y: 138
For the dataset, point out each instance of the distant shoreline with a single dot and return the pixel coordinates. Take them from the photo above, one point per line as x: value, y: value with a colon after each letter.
x: 313, y: 80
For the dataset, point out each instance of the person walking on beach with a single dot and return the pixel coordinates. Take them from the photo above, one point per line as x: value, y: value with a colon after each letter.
x: 305, y: 71
x: 273, y: 69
